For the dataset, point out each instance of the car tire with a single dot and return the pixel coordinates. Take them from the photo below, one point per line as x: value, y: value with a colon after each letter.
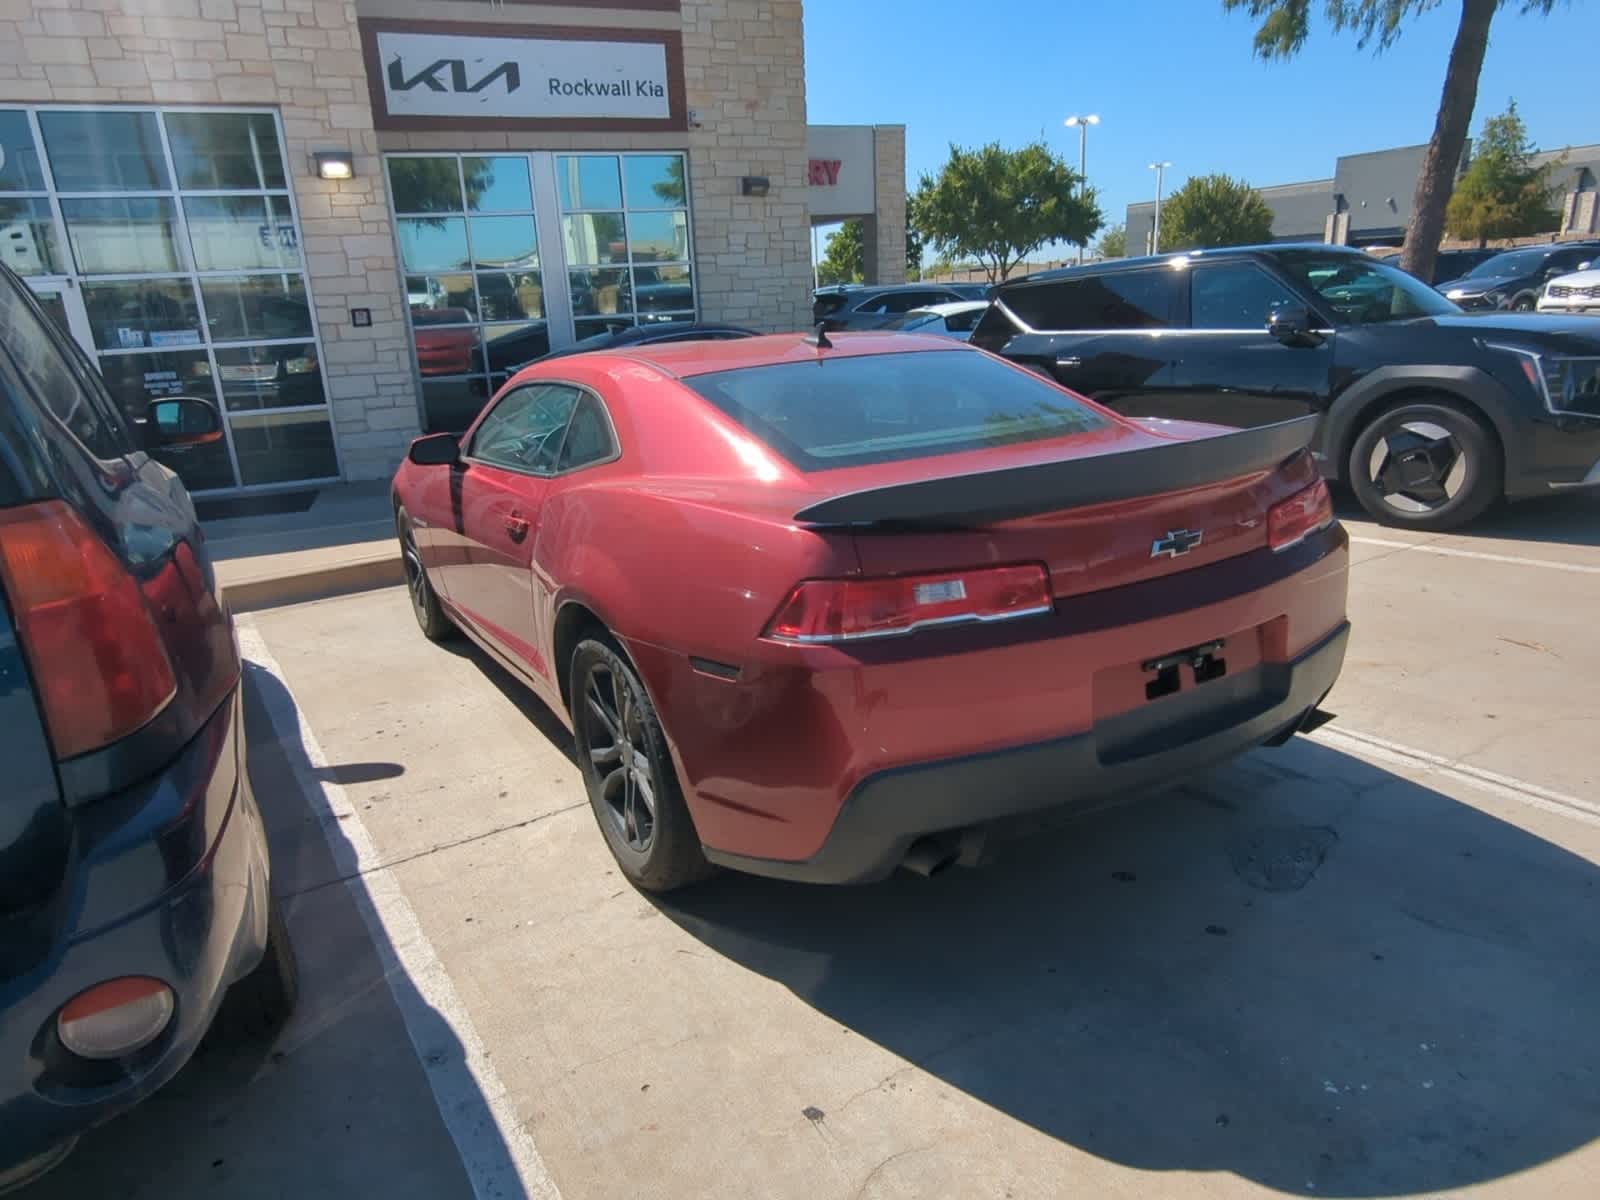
x: 256, y: 1006
x: 640, y: 809
x: 1464, y: 476
x: 1525, y: 303
x: 425, y: 606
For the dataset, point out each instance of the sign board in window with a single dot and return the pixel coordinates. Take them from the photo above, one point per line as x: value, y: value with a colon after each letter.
x: 840, y: 171
x: 448, y: 75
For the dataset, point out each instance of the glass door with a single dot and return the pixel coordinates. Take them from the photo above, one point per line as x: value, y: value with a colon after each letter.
x: 63, y: 300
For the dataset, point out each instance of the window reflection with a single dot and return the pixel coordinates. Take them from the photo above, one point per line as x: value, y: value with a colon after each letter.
x: 588, y: 181
x: 658, y: 236
x: 425, y: 185
x: 497, y: 184
x: 123, y: 235
x: 605, y: 291
x: 213, y: 151
x: 20, y: 171
x: 504, y: 242
x: 276, y: 447
x: 104, y: 151
x: 242, y: 233
x: 655, y: 181
x: 28, y: 238
x: 511, y: 294
x: 253, y: 377
x: 450, y: 405
x: 134, y: 314
x: 456, y: 294
x: 256, y: 306
x: 511, y: 345
x: 594, y: 238
x: 434, y: 243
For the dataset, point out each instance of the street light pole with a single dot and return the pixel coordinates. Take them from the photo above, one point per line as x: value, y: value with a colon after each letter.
x: 1083, y: 124
x: 1160, y: 169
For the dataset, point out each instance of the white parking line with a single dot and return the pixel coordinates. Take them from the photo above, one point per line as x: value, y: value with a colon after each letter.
x: 1514, y: 560
x: 1507, y: 787
x: 499, y: 1155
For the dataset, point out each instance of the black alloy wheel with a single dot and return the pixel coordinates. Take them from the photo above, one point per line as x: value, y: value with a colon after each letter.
x: 425, y: 606
x: 628, y: 772
x: 1427, y: 464
x: 1524, y: 304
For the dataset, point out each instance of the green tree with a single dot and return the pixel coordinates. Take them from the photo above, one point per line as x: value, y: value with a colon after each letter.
x: 1503, y: 194
x: 998, y: 206
x: 1284, y: 27
x: 1214, y: 210
x: 913, y: 252
x: 842, y: 258
x: 1113, y: 242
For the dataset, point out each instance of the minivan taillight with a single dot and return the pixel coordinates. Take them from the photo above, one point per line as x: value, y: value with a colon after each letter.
x: 100, y: 668
x: 1291, y: 521
x: 843, y: 610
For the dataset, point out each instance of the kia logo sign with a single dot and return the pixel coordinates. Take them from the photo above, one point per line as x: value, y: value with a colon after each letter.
x: 824, y: 172
x: 429, y: 77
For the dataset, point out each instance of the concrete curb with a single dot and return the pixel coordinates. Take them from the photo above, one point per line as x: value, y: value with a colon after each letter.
x: 250, y: 593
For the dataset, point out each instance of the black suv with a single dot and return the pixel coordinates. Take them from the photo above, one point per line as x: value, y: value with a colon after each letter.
x: 853, y: 306
x: 1430, y: 415
x: 134, y: 878
x: 1513, y: 280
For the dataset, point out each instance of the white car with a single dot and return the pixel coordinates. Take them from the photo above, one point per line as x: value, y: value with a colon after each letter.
x: 956, y: 319
x: 1575, y: 293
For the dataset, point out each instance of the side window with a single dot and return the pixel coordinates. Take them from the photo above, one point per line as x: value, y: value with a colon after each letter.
x: 54, y: 383
x: 964, y: 322
x: 1120, y: 300
x: 901, y: 302
x: 523, y: 430
x: 588, y: 436
x: 1233, y: 296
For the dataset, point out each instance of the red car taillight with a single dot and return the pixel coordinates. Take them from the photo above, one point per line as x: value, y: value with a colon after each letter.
x: 842, y: 610
x: 100, y: 667
x: 1291, y: 521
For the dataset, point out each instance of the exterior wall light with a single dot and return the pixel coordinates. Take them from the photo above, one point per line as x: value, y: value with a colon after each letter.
x: 754, y: 185
x: 334, y: 164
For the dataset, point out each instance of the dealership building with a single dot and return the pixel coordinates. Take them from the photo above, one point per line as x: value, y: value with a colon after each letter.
x: 345, y: 223
x: 1367, y: 199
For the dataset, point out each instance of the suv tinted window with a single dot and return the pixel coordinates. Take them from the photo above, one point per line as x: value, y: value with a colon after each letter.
x: 899, y: 302
x: 1233, y: 296
x: 55, y: 385
x: 1121, y: 300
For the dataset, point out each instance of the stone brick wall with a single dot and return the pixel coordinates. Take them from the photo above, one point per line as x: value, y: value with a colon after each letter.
x: 744, y: 73
x: 883, y: 247
x: 303, y: 57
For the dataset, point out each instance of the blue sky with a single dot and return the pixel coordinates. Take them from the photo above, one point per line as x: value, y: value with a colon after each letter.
x: 1175, y: 80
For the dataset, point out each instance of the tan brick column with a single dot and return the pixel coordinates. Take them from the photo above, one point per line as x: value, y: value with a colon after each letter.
x: 884, y: 233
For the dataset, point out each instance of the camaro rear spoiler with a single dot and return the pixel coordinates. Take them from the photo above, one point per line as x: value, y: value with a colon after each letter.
x: 987, y: 496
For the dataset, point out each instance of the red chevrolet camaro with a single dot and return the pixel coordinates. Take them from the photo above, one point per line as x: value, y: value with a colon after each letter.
x: 818, y: 610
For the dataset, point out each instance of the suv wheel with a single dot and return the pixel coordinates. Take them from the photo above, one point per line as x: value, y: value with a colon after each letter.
x: 1524, y: 303
x: 1425, y: 464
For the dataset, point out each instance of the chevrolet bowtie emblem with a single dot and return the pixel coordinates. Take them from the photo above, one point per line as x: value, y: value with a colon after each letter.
x: 1177, y: 541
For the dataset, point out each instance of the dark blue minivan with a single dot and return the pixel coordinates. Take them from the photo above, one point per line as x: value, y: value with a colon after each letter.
x: 134, y: 880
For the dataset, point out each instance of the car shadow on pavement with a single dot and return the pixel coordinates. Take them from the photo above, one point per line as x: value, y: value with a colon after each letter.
x: 1300, y: 969
x: 338, y: 1103
x: 1572, y: 520
x: 537, y: 712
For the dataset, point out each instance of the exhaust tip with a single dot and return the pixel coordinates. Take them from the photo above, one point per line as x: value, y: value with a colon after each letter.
x: 930, y: 855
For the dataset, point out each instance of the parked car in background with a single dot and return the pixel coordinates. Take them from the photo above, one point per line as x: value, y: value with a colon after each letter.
x: 1429, y: 415
x: 853, y: 306
x: 1575, y: 293
x: 1447, y: 264
x: 1514, y: 279
x: 649, y: 334
x: 957, y: 319
x: 921, y: 644
x: 135, y: 889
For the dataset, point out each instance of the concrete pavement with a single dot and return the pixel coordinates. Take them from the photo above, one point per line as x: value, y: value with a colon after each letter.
x: 1362, y: 965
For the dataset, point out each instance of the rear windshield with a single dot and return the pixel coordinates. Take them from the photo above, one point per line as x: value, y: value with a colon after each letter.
x: 851, y: 411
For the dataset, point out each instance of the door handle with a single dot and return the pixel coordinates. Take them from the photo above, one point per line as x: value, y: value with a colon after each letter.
x: 1069, y: 361
x: 516, y: 525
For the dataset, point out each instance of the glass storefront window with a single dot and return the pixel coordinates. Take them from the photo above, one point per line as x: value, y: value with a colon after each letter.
x: 20, y: 170
x: 655, y: 181
x: 104, y: 151
x: 123, y: 235
x: 588, y: 181
x: 605, y: 291
x: 510, y: 345
x: 504, y: 242
x: 218, y: 151
x: 658, y: 236
x: 28, y: 237
x: 434, y: 244
x: 426, y: 185
x: 511, y: 294
x: 242, y: 233
x: 594, y: 238
x: 450, y: 405
x: 248, y: 307
x: 281, y: 446
x: 136, y: 379
x: 663, y: 290
x: 443, y: 349
x: 497, y: 184
x: 455, y: 295
x: 256, y: 377
x: 140, y: 313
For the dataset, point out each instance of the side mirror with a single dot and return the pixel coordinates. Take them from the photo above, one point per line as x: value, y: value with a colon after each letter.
x: 182, y: 421
x: 1291, y: 325
x: 435, y: 450
x: 1584, y: 266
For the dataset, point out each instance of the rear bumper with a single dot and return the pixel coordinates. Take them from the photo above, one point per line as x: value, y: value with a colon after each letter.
x: 169, y: 879
x: 1122, y: 756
